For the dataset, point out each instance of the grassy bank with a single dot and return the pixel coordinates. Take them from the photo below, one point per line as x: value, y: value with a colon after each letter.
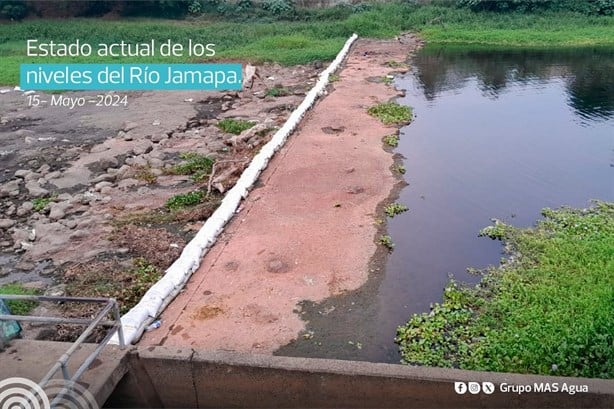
x: 549, y: 311
x: 315, y: 36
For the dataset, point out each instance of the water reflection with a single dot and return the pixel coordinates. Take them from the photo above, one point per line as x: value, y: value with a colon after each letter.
x: 588, y: 74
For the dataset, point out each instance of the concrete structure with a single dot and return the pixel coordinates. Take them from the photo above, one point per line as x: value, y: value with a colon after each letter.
x: 156, y: 377
x: 171, y: 378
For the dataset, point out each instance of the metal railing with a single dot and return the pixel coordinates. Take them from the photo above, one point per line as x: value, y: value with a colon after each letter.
x: 101, y: 319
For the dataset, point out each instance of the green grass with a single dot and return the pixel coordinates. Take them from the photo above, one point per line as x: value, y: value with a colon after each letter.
x: 194, y: 164
x: 182, y: 201
x: 18, y: 307
x: 277, y: 92
x: 386, y: 241
x: 550, y: 311
x: 394, y: 209
x: 234, y: 126
x: 40, y: 203
x: 391, y: 113
x: 392, y: 140
x: 318, y: 37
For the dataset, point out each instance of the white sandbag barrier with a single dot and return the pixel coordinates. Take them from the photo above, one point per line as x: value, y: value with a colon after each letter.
x: 166, y: 289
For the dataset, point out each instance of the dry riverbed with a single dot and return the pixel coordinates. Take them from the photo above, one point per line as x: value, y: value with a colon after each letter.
x: 83, y: 191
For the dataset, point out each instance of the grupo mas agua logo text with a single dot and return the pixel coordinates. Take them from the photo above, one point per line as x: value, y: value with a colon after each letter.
x: 489, y: 388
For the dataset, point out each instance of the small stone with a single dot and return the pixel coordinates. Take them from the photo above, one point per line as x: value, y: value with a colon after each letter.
x: 71, y: 224
x: 6, y: 223
x: 129, y: 125
x: 32, y: 176
x: 105, y: 177
x: 56, y: 291
x: 107, y: 190
x: 44, y: 169
x: 35, y: 190
x: 64, y: 197
x: 10, y: 211
x: 22, y: 173
x: 126, y: 183
x: 53, y: 175
x: 101, y: 185
x: 156, y: 138
x: 128, y: 136
x: 99, y: 148
x: 143, y: 190
x: 34, y: 285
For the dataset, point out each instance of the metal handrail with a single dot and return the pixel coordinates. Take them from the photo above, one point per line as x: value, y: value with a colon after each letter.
x: 110, y: 305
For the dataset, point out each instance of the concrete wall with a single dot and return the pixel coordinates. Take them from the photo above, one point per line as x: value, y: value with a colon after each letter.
x: 170, y: 377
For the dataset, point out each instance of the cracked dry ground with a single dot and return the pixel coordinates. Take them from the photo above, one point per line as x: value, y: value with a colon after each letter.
x: 83, y: 191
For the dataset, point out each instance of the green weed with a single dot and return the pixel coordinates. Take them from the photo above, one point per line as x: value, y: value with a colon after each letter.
x: 386, y: 241
x: 401, y: 169
x: 548, y: 311
x: 391, y: 113
x: 394, y: 209
x: 182, y: 201
x: 193, y: 164
x: 277, y: 92
x: 392, y: 140
x: 234, y: 126
x: 40, y: 203
x: 18, y: 307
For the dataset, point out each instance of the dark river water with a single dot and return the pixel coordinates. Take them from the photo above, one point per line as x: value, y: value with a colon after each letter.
x: 495, y: 135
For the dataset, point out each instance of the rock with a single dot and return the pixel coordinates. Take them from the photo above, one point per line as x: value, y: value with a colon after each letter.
x: 105, y: 177
x: 57, y: 211
x: 127, y: 183
x: 53, y: 175
x: 6, y: 223
x: 56, y: 291
x: 64, y: 197
x: 107, y: 190
x: 44, y: 169
x: 143, y: 190
x: 10, y: 211
x: 25, y: 133
x: 142, y: 148
x: 101, y: 185
x: 137, y: 161
x: 35, y: 190
x: 22, y: 173
x: 25, y: 208
x: 155, y: 162
x: 129, y: 125
x: 124, y: 172
x: 34, y: 285
x: 32, y: 176
x: 10, y: 187
x: 71, y: 224
x: 99, y: 148
x: 156, y: 138
x: 126, y: 135
x: 20, y: 236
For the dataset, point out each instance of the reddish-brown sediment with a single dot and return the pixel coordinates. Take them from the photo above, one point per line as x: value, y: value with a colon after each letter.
x: 306, y: 232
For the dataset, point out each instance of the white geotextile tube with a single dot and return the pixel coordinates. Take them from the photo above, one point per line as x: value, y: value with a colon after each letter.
x: 176, y: 276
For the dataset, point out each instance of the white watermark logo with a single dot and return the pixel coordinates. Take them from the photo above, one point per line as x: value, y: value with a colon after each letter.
x: 489, y: 388
x: 22, y: 393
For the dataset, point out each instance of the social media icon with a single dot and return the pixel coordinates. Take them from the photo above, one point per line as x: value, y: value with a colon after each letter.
x: 488, y: 388
x: 474, y: 388
x: 460, y: 387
